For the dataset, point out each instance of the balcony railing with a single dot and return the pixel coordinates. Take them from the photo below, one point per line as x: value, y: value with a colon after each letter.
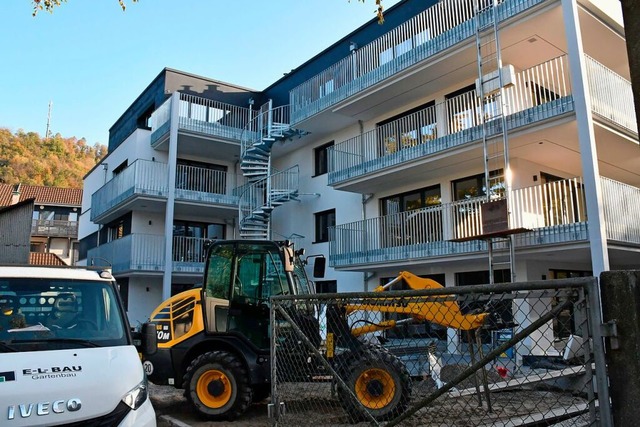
x: 207, y: 185
x: 611, y: 95
x: 621, y: 211
x: 142, y: 177
x: 149, y: 179
x: 555, y: 212
x: 188, y: 254
x: 54, y: 228
x: 202, y: 115
x: 538, y: 93
x: 436, y: 29
x: 145, y: 253
x: 134, y: 252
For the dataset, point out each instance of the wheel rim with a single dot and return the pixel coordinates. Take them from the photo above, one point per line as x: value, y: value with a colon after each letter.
x: 375, y: 388
x: 214, y: 388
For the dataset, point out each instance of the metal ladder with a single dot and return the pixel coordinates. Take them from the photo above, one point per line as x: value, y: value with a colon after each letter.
x: 492, y: 115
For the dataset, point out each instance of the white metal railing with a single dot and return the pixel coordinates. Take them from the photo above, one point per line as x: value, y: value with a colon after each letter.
x: 140, y: 177
x: 533, y: 87
x: 54, y: 228
x: 188, y: 249
x: 621, y: 204
x: 548, y: 205
x: 283, y: 186
x: 554, y: 203
x: 212, y: 117
x: 143, y: 252
x: 430, y: 31
x: 204, y: 180
x: 202, y: 115
x: 611, y: 95
x: 267, y: 123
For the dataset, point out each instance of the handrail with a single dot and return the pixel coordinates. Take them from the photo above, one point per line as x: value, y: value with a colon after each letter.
x: 267, y: 123
x: 538, y: 85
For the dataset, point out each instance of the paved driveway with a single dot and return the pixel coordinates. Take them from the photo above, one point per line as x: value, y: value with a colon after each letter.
x: 173, y: 410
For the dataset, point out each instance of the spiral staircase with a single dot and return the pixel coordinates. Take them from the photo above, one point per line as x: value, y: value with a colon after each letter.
x: 266, y: 188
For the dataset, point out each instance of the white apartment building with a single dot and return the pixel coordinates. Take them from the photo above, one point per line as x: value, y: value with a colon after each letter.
x: 377, y: 153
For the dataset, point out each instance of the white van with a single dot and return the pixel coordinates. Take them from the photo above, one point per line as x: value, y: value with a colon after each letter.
x: 66, y: 351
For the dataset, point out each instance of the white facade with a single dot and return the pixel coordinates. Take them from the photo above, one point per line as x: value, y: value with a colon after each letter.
x: 573, y: 156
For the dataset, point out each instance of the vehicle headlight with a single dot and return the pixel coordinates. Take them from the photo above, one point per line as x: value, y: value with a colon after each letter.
x: 137, y: 395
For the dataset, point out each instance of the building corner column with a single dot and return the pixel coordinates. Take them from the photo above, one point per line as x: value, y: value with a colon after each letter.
x: 171, y: 196
x: 586, y: 139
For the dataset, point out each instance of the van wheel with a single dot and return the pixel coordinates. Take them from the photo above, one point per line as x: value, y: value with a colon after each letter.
x: 217, y: 385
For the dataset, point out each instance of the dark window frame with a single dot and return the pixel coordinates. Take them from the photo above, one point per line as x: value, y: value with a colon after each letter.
x: 321, y: 159
x: 323, y: 222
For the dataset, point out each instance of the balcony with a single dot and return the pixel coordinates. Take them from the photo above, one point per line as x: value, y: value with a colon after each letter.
x: 554, y: 212
x: 132, y: 253
x: 539, y: 94
x: 144, y: 253
x: 144, y: 186
x: 54, y: 228
x: 433, y: 31
x: 611, y: 97
x: 200, y: 118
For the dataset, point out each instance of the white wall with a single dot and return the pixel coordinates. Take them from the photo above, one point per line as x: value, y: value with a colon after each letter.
x: 145, y: 294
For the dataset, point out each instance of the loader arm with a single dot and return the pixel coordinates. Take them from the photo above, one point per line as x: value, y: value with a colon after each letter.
x: 445, y: 313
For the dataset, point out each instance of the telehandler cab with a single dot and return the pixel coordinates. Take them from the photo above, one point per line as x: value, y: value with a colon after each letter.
x: 214, y: 341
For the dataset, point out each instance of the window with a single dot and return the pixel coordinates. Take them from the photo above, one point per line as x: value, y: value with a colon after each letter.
x: 189, y: 237
x: 199, y: 176
x: 144, y: 120
x: 326, y: 286
x: 422, y: 226
x: 405, y: 130
x: 116, y: 229
x: 461, y: 109
x: 324, y: 220
x: 122, y: 166
x: 321, y: 159
x: 474, y: 186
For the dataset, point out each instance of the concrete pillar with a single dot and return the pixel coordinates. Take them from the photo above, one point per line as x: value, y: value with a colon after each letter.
x: 171, y: 197
x: 620, y: 295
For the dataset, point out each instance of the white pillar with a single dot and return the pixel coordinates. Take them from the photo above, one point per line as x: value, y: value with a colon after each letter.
x: 586, y: 139
x: 171, y: 196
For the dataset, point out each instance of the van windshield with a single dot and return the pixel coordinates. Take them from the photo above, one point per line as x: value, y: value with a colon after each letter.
x: 52, y: 314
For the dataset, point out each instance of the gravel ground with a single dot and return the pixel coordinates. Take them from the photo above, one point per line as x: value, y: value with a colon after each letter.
x: 311, y: 404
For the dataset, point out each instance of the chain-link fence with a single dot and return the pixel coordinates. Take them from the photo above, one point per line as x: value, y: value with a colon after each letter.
x: 494, y: 355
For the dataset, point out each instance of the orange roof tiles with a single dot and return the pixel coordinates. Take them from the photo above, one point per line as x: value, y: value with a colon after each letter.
x: 42, y: 258
x: 42, y: 194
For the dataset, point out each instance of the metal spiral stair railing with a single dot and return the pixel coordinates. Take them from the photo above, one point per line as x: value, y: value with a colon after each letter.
x: 266, y: 188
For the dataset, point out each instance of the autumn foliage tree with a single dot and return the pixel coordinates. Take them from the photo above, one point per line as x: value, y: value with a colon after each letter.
x: 27, y: 158
x: 49, y: 5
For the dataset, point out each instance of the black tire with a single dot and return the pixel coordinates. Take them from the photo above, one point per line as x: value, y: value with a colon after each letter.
x: 217, y: 385
x: 261, y: 392
x: 379, y: 385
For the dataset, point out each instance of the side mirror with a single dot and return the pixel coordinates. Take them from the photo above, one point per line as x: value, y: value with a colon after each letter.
x: 319, y: 266
x: 148, y: 343
x: 288, y: 258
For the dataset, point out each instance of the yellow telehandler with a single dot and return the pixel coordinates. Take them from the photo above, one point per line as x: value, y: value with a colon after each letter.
x: 214, y: 343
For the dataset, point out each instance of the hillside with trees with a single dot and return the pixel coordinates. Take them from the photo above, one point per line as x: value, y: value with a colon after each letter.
x: 27, y: 158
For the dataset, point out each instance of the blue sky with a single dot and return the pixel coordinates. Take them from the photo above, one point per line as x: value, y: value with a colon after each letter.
x: 91, y: 60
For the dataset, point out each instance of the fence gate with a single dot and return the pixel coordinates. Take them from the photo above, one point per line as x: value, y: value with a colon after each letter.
x: 523, y: 354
